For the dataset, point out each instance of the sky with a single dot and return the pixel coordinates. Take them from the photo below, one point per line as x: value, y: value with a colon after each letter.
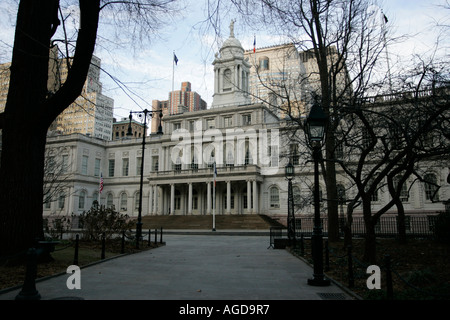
x: 149, y: 72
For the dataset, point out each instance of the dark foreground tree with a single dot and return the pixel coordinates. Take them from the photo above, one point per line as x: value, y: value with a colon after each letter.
x: 31, y: 108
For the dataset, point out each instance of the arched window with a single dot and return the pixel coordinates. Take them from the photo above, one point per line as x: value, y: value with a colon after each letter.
x: 81, y: 200
x: 274, y: 197
x: 195, y: 199
x: 136, y: 201
x: 95, y: 198
x: 404, y: 195
x: 177, y: 200
x: 297, y: 196
x: 123, y: 201
x: 227, y: 80
x: 263, y: 63
x: 341, y: 193
x: 109, y: 200
x: 431, y: 187
x: 61, y: 200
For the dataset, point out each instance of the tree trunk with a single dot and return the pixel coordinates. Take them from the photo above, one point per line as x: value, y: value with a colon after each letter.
x: 28, y: 113
x: 370, y: 252
x: 401, y: 220
x: 332, y: 203
x: 22, y: 162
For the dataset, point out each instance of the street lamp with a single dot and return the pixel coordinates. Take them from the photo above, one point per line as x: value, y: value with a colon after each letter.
x: 289, y: 172
x: 142, y: 114
x: 315, y: 127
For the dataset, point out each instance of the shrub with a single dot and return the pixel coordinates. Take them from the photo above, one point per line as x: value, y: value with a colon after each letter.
x: 55, y: 225
x: 99, y: 220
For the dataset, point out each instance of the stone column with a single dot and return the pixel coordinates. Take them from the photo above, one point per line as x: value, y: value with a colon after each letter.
x: 150, y: 197
x: 155, y: 199
x: 249, y: 197
x: 255, y: 197
x: 190, y: 198
x: 172, y: 199
x: 160, y: 200
x: 228, y: 197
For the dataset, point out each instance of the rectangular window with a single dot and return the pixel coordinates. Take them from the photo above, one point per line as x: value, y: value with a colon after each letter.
x: 294, y: 154
x: 138, y: 165
x: 84, y: 164
x: 176, y: 126
x: 112, y: 163
x: 228, y: 122
x: 65, y: 164
x: 273, y: 154
x: 210, y: 123
x: 246, y: 119
x: 51, y: 164
x: 97, y: 168
x: 155, y: 164
x: 125, y: 166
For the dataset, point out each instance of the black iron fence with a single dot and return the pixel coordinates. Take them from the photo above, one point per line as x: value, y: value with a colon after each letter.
x: 387, y: 226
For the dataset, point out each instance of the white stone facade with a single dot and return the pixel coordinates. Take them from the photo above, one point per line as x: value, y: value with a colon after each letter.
x: 245, y: 140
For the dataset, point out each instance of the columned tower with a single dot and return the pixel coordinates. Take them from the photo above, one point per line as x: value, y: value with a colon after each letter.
x: 231, y: 74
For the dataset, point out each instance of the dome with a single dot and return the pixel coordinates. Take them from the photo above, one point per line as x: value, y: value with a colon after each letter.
x: 232, y: 48
x: 232, y: 42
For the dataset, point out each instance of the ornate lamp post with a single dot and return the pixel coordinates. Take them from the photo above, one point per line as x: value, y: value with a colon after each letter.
x: 142, y: 114
x: 289, y: 172
x: 315, y: 127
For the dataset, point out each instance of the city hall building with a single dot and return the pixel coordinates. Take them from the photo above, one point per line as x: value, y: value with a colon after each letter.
x: 229, y: 158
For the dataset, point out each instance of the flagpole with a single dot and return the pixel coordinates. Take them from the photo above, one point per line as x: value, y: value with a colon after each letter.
x: 173, y: 76
x: 214, y: 199
x: 386, y: 49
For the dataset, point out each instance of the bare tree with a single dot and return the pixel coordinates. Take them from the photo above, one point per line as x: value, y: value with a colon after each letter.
x: 30, y: 108
x: 341, y: 43
x: 389, y: 139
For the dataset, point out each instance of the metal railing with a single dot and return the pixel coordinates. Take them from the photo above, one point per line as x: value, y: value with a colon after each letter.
x: 387, y: 226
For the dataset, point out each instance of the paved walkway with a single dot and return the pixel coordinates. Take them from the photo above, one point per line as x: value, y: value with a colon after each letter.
x: 195, y: 267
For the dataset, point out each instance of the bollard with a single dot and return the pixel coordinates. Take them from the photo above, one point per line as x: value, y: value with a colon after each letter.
x: 103, y: 246
x: 160, y: 236
x: 149, y: 239
x: 29, y: 291
x: 75, y: 257
x: 389, y: 288
x: 122, y: 250
x: 351, y: 281
x: 327, y: 256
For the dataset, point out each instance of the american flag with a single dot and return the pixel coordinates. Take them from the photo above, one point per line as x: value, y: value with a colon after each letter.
x: 254, y: 44
x: 101, y: 182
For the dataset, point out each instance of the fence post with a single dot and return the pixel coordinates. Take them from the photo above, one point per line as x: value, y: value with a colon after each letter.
x: 156, y: 237
x: 29, y: 291
x: 160, y: 236
x: 122, y: 249
x: 149, y: 242
x: 351, y: 280
x: 327, y: 256
x: 75, y: 257
x: 389, y: 288
x: 103, y: 246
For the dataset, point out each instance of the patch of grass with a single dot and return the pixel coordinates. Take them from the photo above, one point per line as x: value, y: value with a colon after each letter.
x: 63, y: 256
x: 420, y: 268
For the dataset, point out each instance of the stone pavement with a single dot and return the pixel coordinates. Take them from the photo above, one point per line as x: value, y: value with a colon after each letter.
x: 195, y: 267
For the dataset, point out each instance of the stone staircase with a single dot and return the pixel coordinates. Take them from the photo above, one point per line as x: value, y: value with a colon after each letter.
x: 223, y: 222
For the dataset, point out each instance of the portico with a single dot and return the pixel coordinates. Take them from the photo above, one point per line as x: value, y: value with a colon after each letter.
x: 190, y: 192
